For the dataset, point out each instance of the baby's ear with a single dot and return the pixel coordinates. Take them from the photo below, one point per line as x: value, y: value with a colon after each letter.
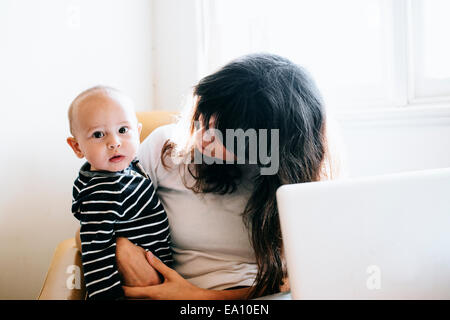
x: 139, y: 127
x: 75, y: 147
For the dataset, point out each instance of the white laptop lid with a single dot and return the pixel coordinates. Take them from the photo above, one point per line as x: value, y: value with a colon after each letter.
x: 385, y: 237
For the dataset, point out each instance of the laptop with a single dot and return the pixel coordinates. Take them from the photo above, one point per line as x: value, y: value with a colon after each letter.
x: 383, y: 237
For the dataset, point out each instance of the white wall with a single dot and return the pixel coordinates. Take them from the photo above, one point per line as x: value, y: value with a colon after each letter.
x: 397, y: 141
x: 50, y: 50
x: 176, y: 51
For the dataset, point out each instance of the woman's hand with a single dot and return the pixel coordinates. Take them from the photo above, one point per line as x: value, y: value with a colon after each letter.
x: 174, y: 287
x: 132, y: 264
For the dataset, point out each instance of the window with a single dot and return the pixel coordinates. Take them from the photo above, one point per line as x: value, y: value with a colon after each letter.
x: 430, y: 49
x: 362, y: 54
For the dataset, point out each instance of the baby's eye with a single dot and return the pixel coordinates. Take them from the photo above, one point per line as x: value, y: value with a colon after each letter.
x: 98, y: 134
x: 123, y: 130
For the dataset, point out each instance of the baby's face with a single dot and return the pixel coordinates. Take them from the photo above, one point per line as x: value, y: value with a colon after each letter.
x: 107, y: 132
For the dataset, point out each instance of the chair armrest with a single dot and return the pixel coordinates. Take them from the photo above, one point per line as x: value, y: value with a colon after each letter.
x: 64, y: 279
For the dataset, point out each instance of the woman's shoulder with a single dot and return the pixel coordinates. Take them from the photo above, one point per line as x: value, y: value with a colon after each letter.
x: 156, y: 139
x: 149, y: 154
x: 159, y: 135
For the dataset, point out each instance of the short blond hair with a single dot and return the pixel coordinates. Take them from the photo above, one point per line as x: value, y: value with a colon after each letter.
x: 110, y: 91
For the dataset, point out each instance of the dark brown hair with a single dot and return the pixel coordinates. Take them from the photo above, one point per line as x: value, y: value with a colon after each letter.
x: 262, y: 91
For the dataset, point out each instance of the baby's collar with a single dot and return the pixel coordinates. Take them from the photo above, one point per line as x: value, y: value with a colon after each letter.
x: 86, y: 171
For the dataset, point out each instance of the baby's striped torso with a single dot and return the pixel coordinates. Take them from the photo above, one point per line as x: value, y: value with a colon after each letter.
x: 112, y: 205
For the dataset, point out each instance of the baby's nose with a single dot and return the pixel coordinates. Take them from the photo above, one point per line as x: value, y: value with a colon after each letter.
x: 114, y: 144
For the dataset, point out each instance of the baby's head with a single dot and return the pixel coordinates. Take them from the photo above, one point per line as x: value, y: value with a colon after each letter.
x: 104, y: 128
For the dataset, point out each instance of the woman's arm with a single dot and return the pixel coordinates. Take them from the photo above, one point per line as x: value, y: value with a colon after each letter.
x: 175, y: 287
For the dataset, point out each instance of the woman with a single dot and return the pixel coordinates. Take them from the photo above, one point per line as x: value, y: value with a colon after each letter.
x: 223, y: 217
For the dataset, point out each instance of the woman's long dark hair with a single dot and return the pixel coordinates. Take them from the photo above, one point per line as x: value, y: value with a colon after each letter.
x: 262, y: 91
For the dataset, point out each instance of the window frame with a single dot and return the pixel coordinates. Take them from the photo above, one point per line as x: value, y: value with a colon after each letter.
x: 430, y: 91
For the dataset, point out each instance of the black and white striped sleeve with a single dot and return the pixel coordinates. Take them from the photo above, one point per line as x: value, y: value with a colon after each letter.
x: 97, y: 212
x: 144, y: 220
x: 98, y: 245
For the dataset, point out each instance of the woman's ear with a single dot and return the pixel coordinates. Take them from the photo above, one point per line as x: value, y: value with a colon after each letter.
x: 75, y: 147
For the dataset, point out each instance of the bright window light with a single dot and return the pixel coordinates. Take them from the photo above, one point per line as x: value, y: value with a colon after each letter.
x: 343, y: 44
x: 362, y: 54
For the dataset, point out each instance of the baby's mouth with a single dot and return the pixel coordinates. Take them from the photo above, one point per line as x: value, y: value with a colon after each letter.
x: 117, y: 158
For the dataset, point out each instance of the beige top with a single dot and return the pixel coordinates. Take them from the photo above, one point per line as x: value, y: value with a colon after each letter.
x: 211, y: 244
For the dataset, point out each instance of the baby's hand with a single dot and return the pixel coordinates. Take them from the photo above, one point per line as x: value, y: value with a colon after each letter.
x: 133, y: 267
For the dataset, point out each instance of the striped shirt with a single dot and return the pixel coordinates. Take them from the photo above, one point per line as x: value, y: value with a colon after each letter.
x: 111, y: 205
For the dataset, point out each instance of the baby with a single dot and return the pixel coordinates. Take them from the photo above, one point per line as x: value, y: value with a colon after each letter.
x: 112, y: 196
